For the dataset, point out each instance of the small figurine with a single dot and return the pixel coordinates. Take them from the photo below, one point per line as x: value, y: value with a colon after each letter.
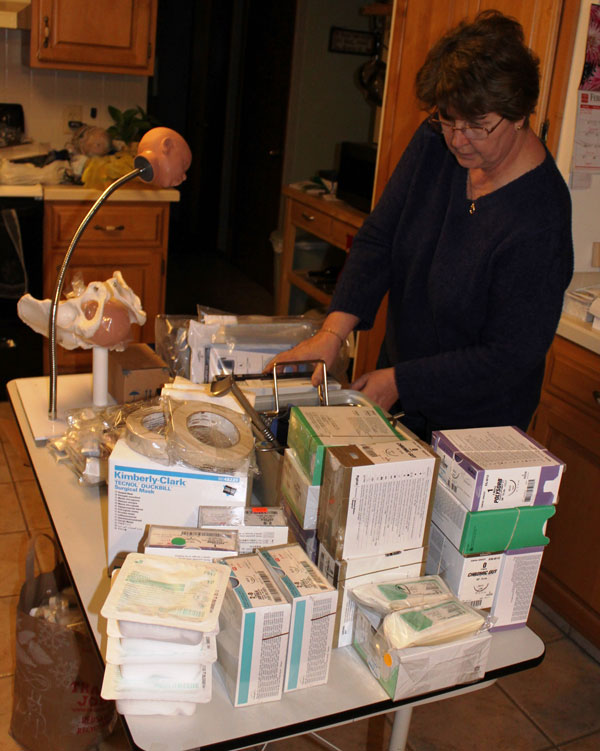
x: 167, y: 153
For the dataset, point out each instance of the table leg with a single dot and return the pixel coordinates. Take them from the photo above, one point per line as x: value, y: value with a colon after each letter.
x: 400, y: 729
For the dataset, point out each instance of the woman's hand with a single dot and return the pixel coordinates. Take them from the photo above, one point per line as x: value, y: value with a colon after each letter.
x: 379, y: 386
x: 322, y: 346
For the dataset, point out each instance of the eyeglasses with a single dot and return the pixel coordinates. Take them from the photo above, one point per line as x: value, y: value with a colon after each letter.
x: 472, y: 132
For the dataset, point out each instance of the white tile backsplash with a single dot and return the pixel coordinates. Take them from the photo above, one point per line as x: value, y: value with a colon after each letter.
x: 45, y: 94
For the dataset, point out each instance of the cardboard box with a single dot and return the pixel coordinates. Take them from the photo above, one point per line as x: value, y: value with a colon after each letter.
x: 142, y: 492
x: 306, y: 538
x: 302, y: 497
x: 489, y: 531
x: 504, y: 583
x: 313, y: 429
x: 501, y: 467
x: 263, y: 525
x: 313, y: 600
x: 345, y: 575
x: 190, y: 542
x: 420, y: 670
x: 376, y: 498
x: 253, y: 636
x: 136, y: 373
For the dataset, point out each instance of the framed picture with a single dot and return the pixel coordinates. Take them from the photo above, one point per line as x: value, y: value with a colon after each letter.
x: 351, y: 41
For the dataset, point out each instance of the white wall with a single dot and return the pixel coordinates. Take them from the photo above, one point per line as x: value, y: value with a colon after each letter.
x: 45, y: 94
x: 586, y: 202
x: 326, y: 106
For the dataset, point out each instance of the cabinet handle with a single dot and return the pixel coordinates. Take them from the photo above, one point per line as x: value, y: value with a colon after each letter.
x: 109, y: 227
x: 596, y: 395
x: 46, y: 32
x: 308, y: 217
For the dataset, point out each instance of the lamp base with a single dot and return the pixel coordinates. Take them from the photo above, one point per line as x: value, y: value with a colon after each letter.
x: 74, y: 391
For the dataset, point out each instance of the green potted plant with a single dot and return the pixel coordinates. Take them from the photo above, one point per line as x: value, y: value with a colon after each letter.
x: 129, y: 125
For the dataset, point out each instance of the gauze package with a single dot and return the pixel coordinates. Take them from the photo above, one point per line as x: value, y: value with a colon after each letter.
x: 198, y: 690
x: 122, y: 651
x: 435, y: 624
x: 387, y: 597
x: 150, y: 671
x: 166, y: 598
x: 150, y: 707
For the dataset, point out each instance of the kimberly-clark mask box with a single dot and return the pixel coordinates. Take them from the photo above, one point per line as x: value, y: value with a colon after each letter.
x: 302, y: 497
x: 262, y: 526
x: 492, y: 531
x: 313, y: 600
x: 345, y: 575
x: 499, y: 467
x: 420, y: 670
x: 376, y: 498
x: 188, y: 542
x: 253, y: 635
x: 142, y: 491
x: 501, y: 582
x: 312, y: 429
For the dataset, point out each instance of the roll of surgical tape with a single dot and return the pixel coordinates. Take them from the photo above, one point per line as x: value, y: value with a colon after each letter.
x: 209, y: 436
x: 144, y: 433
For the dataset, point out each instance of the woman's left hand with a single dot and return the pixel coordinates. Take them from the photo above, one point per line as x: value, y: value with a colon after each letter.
x: 379, y: 386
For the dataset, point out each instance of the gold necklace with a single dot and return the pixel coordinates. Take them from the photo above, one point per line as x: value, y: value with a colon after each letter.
x: 472, y: 207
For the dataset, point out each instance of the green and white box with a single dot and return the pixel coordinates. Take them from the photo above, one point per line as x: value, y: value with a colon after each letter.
x: 497, y: 467
x: 142, y: 492
x: 301, y: 496
x: 494, y: 531
x: 313, y: 602
x: 190, y: 542
x: 312, y: 429
x: 376, y: 498
x: 347, y: 574
x: 253, y: 636
x: 262, y: 525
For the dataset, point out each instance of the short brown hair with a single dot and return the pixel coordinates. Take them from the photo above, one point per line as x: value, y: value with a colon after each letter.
x: 479, y: 67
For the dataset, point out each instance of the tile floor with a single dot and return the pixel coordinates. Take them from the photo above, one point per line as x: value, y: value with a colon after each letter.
x: 553, y: 706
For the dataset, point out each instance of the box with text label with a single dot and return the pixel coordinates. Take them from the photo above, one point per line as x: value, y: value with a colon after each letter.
x: 142, y: 492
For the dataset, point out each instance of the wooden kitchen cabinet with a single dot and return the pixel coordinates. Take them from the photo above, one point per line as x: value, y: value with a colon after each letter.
x: 130, y: 237
x: 567, y: 422
x: 104, y: 36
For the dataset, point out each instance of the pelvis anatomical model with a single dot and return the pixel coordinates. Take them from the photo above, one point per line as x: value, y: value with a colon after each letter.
x: 99, y: 315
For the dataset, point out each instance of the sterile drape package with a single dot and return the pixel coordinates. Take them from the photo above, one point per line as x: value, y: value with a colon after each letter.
x: 404, y: 594
x: 191, y: 543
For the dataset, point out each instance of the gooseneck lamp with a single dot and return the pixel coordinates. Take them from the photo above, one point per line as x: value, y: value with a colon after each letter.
x: 162, y: 158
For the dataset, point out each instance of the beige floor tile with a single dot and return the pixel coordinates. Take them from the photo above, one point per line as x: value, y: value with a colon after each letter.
x: 8, y: 616
x: 562, y: 695
x: 11, y: 517
x: 5, y: 475
x: 17, y: 458
x: 363, y: 735
x: 6, y: 692
x: 492, y: 720
x: 590, y: 743
x: 12, y: 562
x: 543, y: 627
x: 44, y: 551
x: 32, y: 504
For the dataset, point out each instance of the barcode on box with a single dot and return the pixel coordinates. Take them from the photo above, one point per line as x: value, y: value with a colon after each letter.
x: 270, y: 587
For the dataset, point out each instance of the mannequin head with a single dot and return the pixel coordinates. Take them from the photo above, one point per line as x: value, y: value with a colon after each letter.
x: 167, y: 153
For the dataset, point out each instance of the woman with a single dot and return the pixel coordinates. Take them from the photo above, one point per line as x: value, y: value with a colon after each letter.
x: 472, y: 239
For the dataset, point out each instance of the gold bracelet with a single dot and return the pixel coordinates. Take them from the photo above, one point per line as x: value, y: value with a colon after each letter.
x: 335, y: 333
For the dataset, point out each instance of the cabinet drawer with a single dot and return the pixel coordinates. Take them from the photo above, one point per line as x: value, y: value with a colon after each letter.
x: 312, y: 220
x: 574, y: 375
x: 342, y: 234
x: 128, y: 225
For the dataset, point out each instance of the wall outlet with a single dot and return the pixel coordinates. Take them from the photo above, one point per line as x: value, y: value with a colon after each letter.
x: 596, y: 255
x: 72, y: 112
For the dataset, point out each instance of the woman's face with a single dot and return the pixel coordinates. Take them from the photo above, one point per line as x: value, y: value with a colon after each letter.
x: 486, y: 153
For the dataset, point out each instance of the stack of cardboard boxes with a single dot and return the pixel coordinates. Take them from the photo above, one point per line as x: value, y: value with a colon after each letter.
x: 496, y: 489
x: 362, y: 489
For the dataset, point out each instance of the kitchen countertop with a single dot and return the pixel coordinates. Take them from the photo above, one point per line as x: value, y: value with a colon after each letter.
x: 581, y: 332
x: 141, y: 192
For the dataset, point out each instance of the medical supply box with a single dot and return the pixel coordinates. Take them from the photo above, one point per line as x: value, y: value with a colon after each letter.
x: 503, y: 582
x: 420, y: 670
x: 307, y: 538
x: 302, y: 497
x: 347, y: 574
x: 313, y: 600
x: 489, y: 531
x: 136, y: 373
x: 262, y: 525
x: 142, y: 491
x: 376, y: 498
x: 313, y: 429
x: 253, y: 636
x: 190, y: 542
x: 498, y: 467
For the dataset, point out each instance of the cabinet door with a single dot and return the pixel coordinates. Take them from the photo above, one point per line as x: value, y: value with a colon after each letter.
x: 111, y: 36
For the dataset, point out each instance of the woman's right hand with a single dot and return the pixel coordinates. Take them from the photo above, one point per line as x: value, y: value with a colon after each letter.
x: 324, y: 345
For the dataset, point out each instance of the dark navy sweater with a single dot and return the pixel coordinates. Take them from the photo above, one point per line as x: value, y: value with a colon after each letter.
x: 474, y: 299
